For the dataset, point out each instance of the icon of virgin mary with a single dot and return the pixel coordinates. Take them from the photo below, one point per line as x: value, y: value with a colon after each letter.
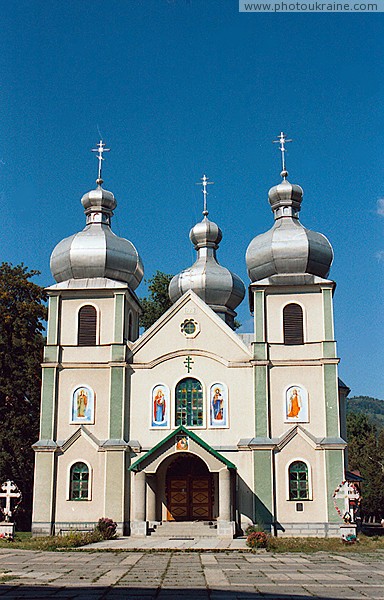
x: 159, y: 407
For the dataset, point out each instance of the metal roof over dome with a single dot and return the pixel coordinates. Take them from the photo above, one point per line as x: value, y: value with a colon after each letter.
x: 288, y: 248
x: 221, y: 289
x: 96, y: 251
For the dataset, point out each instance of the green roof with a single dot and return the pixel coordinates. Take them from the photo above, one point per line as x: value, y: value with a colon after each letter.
x: 193, y: 436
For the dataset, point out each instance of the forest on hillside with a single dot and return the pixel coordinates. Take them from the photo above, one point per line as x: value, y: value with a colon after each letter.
x: 365, y: 429
x: 372, y: 407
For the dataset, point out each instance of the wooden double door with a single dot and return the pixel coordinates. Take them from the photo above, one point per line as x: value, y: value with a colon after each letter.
x: 189, y: 497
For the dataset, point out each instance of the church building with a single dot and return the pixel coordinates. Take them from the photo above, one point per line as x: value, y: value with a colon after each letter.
x: 191, y: 424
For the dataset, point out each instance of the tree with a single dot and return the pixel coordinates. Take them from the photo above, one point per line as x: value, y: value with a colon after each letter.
x: 365, y: 451
x: 158, y: 301
x: 22, y: 313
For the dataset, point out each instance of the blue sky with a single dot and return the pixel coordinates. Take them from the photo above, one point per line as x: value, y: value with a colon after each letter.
x: 178, y: 88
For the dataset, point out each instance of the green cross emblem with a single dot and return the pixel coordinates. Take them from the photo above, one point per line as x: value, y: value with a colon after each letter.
x: 188, y: 362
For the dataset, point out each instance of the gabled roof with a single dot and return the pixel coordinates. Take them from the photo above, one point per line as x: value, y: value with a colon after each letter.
x: 167, y: 316
x: 136, y: 465
x: 82, y: 431
x: 317, y: 443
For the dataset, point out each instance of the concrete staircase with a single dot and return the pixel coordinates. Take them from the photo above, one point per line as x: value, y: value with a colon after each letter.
x: 184, y: 529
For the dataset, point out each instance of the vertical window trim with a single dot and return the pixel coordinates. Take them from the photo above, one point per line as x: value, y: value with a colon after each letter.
x: 309, y: 471
x: 174, y: 403
x: 97, y: 323
x: 90, y: 480
x: 303, y: 312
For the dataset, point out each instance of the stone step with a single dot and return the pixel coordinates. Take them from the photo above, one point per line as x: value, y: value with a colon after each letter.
x: 184, y: 529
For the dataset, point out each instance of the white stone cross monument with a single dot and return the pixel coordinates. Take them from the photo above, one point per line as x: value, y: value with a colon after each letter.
x: 8, y: 491
x: 347, y: 491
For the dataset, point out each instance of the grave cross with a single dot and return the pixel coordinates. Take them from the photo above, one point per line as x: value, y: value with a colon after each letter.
x: 9, y: 490
x: 347, y: 492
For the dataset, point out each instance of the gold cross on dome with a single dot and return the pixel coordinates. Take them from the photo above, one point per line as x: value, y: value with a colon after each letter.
x: 100, y: 149
x: 282, y: 140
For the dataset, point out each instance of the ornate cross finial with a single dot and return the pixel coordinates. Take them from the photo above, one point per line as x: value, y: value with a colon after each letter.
x: 100, y: 149
x: 282, y: 140
x: 204, y: 183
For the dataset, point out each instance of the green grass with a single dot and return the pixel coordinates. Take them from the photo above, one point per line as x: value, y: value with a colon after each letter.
x: 25, y: 541
x: 308, y: 545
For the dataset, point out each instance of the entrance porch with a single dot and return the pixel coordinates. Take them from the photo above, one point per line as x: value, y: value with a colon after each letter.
x: 193, y: 485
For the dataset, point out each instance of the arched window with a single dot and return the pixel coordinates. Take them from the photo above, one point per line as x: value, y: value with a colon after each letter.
x: 86, y: 335
x: 298, y: 481
x: 79, y: 482
x: 293, y: 324
x: 189, y: 403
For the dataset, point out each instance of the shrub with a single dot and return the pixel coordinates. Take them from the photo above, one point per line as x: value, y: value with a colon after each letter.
x: 257, y: 539
x: 106, y: 528
x: 254, y: 529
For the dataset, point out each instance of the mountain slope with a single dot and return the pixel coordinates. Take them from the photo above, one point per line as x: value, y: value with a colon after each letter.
x: 372, y: 407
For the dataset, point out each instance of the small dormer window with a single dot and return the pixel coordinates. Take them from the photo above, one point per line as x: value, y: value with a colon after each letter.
x: 87, y: 326
x: 293, y: 325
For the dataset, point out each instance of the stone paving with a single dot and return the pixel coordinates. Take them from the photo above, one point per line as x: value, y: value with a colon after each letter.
x: 228, y: 575
x: 176, y: 542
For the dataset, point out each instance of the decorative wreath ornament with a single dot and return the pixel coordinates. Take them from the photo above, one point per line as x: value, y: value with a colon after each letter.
x: 344, y: 515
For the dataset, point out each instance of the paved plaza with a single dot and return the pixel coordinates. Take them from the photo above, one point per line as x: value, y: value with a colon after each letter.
x: 228, y: 575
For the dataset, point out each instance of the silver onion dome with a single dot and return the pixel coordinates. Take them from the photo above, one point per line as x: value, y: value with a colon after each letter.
x: 288, y: 247
x: 97, y: 251
x: 221, y: 289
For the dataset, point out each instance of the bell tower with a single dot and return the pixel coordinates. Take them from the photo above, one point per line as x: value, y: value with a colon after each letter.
x: 80, y: 471
x: 298, y: 449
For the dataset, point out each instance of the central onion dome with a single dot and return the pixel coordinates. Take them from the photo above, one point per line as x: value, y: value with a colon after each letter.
x: 221, y: 289
x: 288, y: 247
x: 97, y: 251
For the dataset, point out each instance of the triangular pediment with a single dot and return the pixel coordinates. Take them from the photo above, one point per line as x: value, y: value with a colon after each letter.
x: 298, y: 430
x: 150, y: 461
x: 164, y: 339
x: 82, y: 431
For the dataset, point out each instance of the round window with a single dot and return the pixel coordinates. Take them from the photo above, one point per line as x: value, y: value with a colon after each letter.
x: 189, y: 327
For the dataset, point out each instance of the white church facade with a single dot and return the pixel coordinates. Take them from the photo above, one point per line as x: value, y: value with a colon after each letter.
x: 191, y: 421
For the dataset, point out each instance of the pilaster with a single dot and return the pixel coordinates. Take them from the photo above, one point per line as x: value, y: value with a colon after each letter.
x: 331, y: 388
x: 44, y: 493
x: 263, y: 498
x: 119, y: 320
x: 260, y: 352
x: 114, y: 487
x: 48, y: 403
x: 116, y: 402
x: 53, y: 333
x: 334, y: 467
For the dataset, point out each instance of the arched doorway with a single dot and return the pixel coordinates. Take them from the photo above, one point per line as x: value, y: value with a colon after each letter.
x: 189, y: 490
